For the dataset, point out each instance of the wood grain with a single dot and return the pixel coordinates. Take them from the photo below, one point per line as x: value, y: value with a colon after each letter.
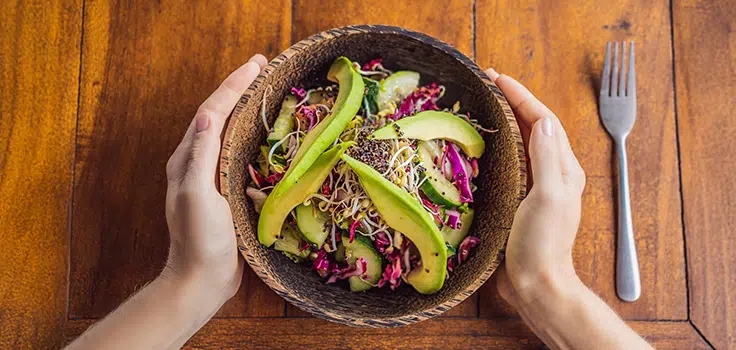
x: 452, y: 25
x: 447, y: 333
x: 705, y: 62
x: 39, y: 76
x: 560, y: 61
x: 146, y: 68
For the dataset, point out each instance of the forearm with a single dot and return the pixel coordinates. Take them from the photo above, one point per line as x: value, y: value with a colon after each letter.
x: 163, y: 315
x: 570, y: 316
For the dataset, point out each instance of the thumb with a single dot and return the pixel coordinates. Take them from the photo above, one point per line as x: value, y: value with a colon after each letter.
x: 205, y: 151
x: 544, y: 155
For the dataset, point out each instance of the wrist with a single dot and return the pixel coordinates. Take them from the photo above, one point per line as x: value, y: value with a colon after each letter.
x: 548, y: 288
x: 192, y: 291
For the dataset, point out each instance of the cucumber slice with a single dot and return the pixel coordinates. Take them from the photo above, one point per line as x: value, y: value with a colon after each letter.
x: 284, y: 123
x: 312, y: 224
x: 362, y: 247
x: 396, y: 87
x: 455, y: 237
x: 290, y: 243
x: 340, y: 253
x: 437, y: 188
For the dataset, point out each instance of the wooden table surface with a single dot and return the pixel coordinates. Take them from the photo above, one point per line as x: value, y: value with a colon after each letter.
x: 96, y: 94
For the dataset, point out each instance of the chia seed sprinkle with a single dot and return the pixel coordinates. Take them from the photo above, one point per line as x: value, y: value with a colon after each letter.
x: 375, y: 153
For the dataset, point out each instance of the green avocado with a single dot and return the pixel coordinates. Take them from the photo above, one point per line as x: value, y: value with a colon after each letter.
x: 430, y: 125
x: 348, y: 102
x: 312, y: 223
x: 436, y: 187
x: 455, y: 237
x: 280, y: 203
x: 404, y: 214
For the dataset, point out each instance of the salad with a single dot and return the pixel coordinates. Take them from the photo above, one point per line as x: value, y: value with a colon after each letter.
x: 369, y: 180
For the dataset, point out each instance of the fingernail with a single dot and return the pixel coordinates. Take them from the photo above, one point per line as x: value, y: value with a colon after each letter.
x: 252, y: 58
x: 547, y: 127
x: 492, y: 74
x: 202, y: 122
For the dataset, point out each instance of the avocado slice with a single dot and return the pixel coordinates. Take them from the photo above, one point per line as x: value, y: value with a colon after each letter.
x: 312, y: 224
x: 284, y: 123
x: 396, y: 87
x: 455, y: 237
x: 430, y: 125
x: 403, y: 213
x: 324, y: 134
x: 280, y: 203
x: 437, y: 188
x: 362, y: 247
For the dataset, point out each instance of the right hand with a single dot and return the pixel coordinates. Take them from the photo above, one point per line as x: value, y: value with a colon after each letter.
x: 539, y: 250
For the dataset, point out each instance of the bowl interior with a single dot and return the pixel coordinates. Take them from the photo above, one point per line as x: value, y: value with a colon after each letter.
x: 501, y: 180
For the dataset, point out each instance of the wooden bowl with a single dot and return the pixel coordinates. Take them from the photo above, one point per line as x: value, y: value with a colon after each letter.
x: 502, y: 179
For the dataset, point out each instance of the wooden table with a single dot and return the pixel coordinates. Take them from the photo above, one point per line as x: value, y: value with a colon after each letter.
x: 96, y: 94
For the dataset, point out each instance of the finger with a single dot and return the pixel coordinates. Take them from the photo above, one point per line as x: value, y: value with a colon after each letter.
x: 260, y: 60
x: 215, y: 109
x: 203, y: 154
x: 223, y: 100
x: 571, y: 169
x: 527, y: 108
x: 492, y: 74
x: 545, y: 155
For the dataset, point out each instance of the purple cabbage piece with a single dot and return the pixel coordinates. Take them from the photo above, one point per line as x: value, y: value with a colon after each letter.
x: 460, y: 173
x: 300, y: 93
x: 453, y: 219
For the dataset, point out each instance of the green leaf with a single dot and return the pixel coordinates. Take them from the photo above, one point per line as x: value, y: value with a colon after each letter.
x: 450, y: 249
x: 370, y: 98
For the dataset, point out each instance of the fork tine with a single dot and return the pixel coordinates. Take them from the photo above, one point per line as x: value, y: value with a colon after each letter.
x: 614, y: 76
x: 621, y: 84
x: 606, y: 77
x: 631, y: 80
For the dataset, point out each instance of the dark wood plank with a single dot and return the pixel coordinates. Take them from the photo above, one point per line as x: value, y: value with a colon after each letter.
x: 39, y: 77
x: 453, y: 24
x: 705, y: 62
x: 444, y: 333
x: 561, y: 60
x: 146, y: 68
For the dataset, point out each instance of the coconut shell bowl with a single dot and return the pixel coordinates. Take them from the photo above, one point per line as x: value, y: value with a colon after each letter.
x: 501, y: 181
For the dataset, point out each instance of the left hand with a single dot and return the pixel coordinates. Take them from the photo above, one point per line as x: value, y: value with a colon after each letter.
x: 203, y: 245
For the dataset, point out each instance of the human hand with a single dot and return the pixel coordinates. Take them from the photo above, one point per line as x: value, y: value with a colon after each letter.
x: 203, y: 245
x: 539, y: 250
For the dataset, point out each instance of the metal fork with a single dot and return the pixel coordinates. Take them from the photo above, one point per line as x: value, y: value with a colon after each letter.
x: 617, y: 103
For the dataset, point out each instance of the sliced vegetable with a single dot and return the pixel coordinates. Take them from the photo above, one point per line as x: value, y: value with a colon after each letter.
x: 312, y: 223
x: 460, y: 173
x: 361, y: 249
x: 280, y: 203
x: 290, y: 243
x: 432, y: 125
x: 437, y: 188
x: 453, y: 237
x: 284, y: 123
x: 396, y: 87
x: 403, y: 213
x: 324, y: 134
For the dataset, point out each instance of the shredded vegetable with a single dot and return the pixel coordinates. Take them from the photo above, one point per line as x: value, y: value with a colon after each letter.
x: 341, y: 199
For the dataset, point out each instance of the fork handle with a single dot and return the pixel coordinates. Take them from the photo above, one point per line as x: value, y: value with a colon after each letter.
x: 628, y: 282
